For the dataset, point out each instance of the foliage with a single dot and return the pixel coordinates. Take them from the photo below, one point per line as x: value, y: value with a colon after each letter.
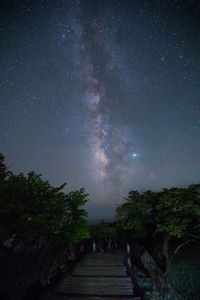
x: 104, y: 229
x: 104, y: 234
x: 170, y: 219
x: 39, y: 224
x: 3, y: 169
x: 174, y: 211
x: 40, y: 211
x: 184, y: 279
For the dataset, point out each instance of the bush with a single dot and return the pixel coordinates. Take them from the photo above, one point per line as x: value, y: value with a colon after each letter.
x: 184, y: 279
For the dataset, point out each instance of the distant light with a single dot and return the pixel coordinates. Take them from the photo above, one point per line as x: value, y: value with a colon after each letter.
x: 134, y: 155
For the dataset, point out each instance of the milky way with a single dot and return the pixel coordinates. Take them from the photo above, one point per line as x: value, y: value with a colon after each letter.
x: 107, y: 140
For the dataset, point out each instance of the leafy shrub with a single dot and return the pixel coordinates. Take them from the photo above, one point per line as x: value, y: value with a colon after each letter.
x: 184, y: 279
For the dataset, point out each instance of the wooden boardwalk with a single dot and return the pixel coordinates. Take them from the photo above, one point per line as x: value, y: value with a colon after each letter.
x: 98, y: 276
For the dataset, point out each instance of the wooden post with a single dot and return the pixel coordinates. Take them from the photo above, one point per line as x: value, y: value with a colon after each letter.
x: 128, y: 248
x: 93, y: 247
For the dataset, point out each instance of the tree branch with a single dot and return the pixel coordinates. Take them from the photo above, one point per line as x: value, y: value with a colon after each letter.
x: 182, y: 245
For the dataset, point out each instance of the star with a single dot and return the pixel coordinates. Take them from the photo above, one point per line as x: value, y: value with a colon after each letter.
x: 134, y: 155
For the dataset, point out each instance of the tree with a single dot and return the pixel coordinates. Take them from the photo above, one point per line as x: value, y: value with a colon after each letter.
x: 39, y: 226
x: 104, y: 234
x: 3, y: 169
x: 39, y: 210
x: 170, y: 218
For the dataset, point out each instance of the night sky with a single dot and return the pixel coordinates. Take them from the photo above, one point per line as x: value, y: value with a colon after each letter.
x: 102, y: 94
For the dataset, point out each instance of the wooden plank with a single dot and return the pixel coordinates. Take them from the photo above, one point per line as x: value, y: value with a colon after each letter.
x: 114, y: 280
x: 104, y: 256
x: 103, y: 292
x: 103, y: 259
x: 99, y: 275
x: 104, y: 298
x: 101, y: 262
x: 99, y: 270
x: 97, y: 286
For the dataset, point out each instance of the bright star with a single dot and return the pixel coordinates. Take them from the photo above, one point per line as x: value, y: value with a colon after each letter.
x: 134, y: 155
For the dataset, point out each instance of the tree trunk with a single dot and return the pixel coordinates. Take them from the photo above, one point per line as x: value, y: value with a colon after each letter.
x: 167, y: 257
x: 159, y: 268
x: 154, y: 271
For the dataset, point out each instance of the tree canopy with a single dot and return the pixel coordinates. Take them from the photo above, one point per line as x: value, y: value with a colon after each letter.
x: 174, y: 212
x: 104, y: 234
x: 39, y: 224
